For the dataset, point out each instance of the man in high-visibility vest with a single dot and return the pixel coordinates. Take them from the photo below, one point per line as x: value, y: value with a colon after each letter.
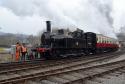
x: 23, y: 51
x: 18, y: 48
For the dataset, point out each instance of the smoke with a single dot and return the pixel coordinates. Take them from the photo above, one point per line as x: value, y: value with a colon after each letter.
x: 103, y: 12
x: 105, y: 8
x: 89, y: 15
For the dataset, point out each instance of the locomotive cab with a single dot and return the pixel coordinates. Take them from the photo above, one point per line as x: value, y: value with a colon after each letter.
x: 90, y: 42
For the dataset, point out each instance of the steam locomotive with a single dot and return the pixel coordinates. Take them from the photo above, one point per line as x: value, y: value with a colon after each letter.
x: 77, y: 43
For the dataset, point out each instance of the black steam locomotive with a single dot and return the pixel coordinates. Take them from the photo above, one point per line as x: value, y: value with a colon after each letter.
x: 70, y: 44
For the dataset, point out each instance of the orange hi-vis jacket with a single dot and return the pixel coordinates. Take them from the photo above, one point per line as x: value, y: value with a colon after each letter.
x: 24, y: 49
x: 17, y: 52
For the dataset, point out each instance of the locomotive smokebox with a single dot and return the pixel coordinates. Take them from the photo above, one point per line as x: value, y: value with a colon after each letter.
x: 48, y: 25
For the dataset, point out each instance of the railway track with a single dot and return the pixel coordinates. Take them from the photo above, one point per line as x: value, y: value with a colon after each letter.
x: 34, y: 62
x: 113, y: 77
x: 23, y: 74
x: 42, y: 63
x: 80, y: 74
x: 93, y: 59
x: 6, y: 66
x: 12, y: 65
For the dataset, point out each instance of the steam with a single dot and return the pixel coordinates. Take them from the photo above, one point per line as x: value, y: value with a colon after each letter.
x: 89, y: 15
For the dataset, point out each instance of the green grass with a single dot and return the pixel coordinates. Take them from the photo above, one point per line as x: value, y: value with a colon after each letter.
x: 2, y: 50
x: 5, y: 58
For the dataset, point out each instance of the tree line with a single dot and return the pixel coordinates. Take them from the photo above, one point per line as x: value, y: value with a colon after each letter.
x: 11, y: 39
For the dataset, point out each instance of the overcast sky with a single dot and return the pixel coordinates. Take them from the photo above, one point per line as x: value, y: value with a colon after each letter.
x: 29, y: 16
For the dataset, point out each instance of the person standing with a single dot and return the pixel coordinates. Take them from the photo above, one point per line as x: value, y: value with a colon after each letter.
x: 23, y: 51
x: 18, y: 48
x: 13, y: 52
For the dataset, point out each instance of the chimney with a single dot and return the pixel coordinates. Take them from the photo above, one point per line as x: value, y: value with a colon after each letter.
x: 48, y: 25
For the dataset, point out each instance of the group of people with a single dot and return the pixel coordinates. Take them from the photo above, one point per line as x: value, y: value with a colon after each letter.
x: 21, y: 52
